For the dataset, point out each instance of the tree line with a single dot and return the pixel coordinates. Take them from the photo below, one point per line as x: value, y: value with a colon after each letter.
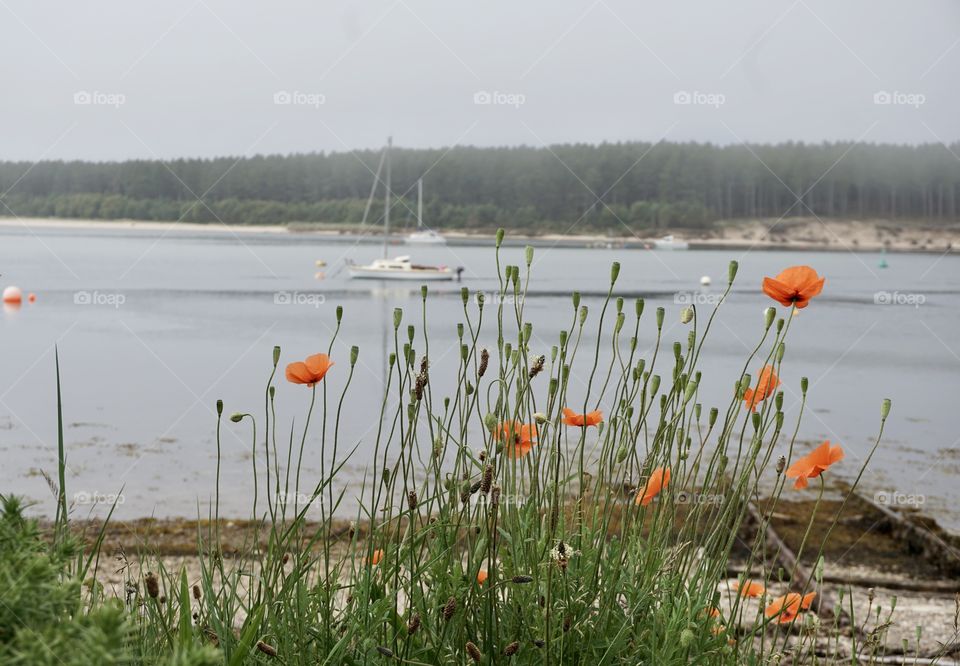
x: 601, y: 188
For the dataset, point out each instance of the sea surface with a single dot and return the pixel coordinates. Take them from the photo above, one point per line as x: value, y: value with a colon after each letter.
x: 152, y: 327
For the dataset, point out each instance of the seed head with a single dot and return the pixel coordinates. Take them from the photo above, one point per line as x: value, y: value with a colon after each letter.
x: 385, y: 651
x: 487, y: 482
x: 197, y: 594
x: 153, y: 585
x: 477, y: 485
x: 781, y: 463
x: 413, y: 624
x: 412, y: 500
x: 449, y: 608
x: 268, y: 650
x: 474, y: 652
x: 537, y: 366
x: 484, y: 360
x: 495, y: 496
x: 512, y: 649
x: 520, y: 580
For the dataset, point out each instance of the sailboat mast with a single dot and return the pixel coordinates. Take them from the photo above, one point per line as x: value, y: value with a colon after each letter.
x: 386, y: 201
x: 419, y: 203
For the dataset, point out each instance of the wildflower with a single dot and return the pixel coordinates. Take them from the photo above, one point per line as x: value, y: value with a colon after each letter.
x: 309, y: 372
x: 520, y: 434
x: 815, y: 462
x: 377, y: 557
x: 571, y: 418
x: 787, y: 607
x: 482, y: 576
x: 659, y: 478
x: 794, y: 286
x: 766, y: 385
x: 749, y: 588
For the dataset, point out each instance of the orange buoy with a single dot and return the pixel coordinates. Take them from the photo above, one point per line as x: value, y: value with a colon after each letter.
x: 12, y: 295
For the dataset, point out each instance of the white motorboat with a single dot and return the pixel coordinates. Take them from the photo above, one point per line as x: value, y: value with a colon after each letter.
x: 423, y: 236
x: 400, y: 268
x: 670, y: 243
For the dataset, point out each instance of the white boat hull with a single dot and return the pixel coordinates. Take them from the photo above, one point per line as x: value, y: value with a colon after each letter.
x: 415, y: 275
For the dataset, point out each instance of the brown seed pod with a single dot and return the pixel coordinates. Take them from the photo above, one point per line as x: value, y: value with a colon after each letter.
x: 474, y: 651
x: 386, y: 652
x: 412, y: 500
x: 512, y: 649
x: 537, y: 366
x: 268, y: 650
x: 197, y: 594
x: 520, y: 580
x: 484, y: 361
x: 413, y: 624
x: 487, y: 482
x: 153, y: 585
x: 449, y: 608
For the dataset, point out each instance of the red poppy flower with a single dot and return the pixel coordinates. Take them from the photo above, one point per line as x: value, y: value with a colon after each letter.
x: 659, y: 478
x: 811, y: 465
x: 794, y: 286
x: 766, y: 385
x: 571, y: 418
x: 517, y: 438
x: 751, y: 588
x: 789, y: 606
x: 309, y: 372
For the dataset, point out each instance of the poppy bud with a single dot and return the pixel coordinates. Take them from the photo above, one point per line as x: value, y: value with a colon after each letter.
x: 885, y: 409
x: 553, y: 353
x: 691, y: 389
x: 686, y: 315
x: 583, y: 315
x: 527, y: 332
x: 219, y: 407
x: 768, y: 316
x: 660, y: 313
x: 464, y: 295
x: 499, y: 236
x: 563, y: 339
x: 576, y: 300
x: 276, y: 356
x: 781, y: 350
x: 468, y: 389
x: 755, y: 417
x: 392, y: 359
x: 633, y: 343
x: 779, y: 325
x: 273, y: 391
x: 529, y: 255
x: 803, y: 385
x: 339, y: 313
x: 460, y: 331
x: 654, y: 384
x: 619, y: 303
x: 779, y: 420
x: 732, y: 271
x: 622, y: 453
x: 554, y: 384
x: 354, y: 353
x: 614, y: 272
x: 638, y: 306
x: 540, y: 417
x: 236, y: 417
x: 490, y: 420
x: 713, y: 416
x: 397, y: 318
x: 818, y: 570
x: 619, y: 324
x: 464, y: 352
x: 663, y: 402
x: 385, y: 475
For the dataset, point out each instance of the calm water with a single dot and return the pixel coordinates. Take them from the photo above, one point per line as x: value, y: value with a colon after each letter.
x: 153, y: 329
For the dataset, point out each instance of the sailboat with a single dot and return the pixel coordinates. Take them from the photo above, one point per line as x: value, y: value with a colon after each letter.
x: 398, y: 268
x: 423, y: 236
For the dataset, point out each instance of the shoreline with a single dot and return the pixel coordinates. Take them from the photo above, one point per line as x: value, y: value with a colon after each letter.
x: 793, y: 235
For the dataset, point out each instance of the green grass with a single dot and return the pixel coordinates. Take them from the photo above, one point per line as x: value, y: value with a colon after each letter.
x: 578, y: 573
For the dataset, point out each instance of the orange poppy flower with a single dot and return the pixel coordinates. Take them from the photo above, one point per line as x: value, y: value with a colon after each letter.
x: 794, y: 286
x: 789, y: 606
x: 571, y: 418
x: 751, y: 588
x: 714, y: 612
x: 811, y: 465
x: 481, y: 576
x: 309, y: 372
x: 518, y: 438
x: 377, y: 557
x: 659, y: 478
x: 766, y: 385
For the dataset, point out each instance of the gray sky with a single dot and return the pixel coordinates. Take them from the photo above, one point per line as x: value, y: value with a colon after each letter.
x: 116, y: 79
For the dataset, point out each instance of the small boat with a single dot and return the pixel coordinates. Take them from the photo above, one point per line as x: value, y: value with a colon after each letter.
x: 400, y: 268
x: 423, y: 236
x: 670, y: 243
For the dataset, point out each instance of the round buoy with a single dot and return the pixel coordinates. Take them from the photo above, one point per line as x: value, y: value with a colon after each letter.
x: 32, y: 297
x: 12, y: 295
x: 705, y: 280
